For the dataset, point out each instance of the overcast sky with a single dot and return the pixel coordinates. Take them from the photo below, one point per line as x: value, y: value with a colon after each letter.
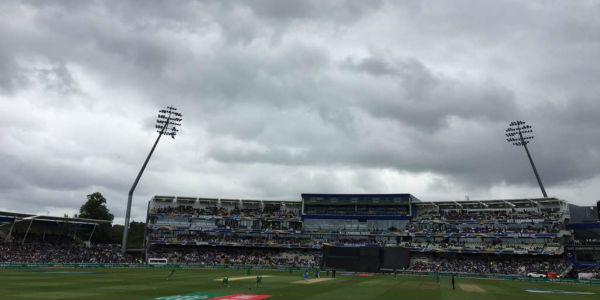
x: 282, y: 97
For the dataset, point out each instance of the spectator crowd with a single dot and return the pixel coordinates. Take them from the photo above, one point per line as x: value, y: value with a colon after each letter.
x: 67, y: 253
x: 213, y: 239
x: 237, y: 256
x: 255, y: 212
x: 500, y: 228
x: 500, y: 216
x: 510, y: 265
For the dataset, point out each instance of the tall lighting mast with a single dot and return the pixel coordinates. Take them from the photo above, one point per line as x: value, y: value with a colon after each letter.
x: 518, y: 133
x: 166, y: 124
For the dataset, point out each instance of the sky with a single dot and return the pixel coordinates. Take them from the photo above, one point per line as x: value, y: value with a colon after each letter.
x: 281, y: 98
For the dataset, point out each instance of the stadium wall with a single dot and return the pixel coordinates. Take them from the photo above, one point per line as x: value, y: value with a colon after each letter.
x: 365, y: 259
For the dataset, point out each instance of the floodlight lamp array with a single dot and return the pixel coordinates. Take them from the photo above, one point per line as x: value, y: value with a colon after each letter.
x: 517, y: 133
x: 168, y: 121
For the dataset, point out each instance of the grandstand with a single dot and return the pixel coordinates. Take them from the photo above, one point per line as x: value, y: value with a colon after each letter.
x: 24, y: 228
x: 384, y: 231
x: 210, y: 230
x: 583, y: 251
x: 516, y: 226
x: 27, y: 238
x: 215, y: 231
x: 355, y: 212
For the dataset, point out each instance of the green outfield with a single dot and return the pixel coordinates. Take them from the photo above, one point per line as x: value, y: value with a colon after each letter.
x: 189, y: 284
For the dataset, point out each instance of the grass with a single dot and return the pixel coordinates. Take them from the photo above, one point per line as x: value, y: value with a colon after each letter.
x: 152, y: 283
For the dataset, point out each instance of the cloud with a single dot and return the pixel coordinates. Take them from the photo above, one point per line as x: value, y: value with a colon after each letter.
x: 282, y: 98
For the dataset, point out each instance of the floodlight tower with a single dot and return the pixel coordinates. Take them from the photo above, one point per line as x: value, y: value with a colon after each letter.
x: 517, y: 134
x: 166, y: 124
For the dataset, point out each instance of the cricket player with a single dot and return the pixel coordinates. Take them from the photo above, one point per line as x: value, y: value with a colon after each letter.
x: 259, y: 281
x: 171, y: 273
x: 226, y: 281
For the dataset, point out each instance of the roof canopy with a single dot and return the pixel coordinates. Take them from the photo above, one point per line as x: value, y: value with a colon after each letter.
x: 11, y: 216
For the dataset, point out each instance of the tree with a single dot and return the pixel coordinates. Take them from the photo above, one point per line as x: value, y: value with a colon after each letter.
x: 116, y: 234
x: 95, y: 208
x: 135, y: 237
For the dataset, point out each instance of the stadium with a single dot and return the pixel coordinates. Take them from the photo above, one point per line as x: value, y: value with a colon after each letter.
x: 323, y: 246
x: 299, y: 149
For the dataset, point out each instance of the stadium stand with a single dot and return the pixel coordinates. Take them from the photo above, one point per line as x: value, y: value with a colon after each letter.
x: 72, y: 253
x: 46, y: 239
x: 469, y: 263
x: 237, y: 256
x: 583, y: 251
x: 490, y: 233
x: 504, y: 236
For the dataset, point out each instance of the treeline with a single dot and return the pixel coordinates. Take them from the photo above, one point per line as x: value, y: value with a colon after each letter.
x: 95, y: 208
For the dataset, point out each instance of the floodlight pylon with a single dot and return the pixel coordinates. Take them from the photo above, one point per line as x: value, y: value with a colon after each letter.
x: 519, y: 133
x: 166, y: 124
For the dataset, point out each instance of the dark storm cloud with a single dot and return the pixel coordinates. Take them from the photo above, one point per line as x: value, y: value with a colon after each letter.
x: 57, y: 175
x: 286, y: 97
x: 11, y: 76
x: 340, y: 11
x: 420, y: 97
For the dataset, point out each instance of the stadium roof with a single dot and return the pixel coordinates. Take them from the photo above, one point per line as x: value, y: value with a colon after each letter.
x: 356, y: 195
x: 414, y: 200
x: 179, y: 199
x: 11, y: 216
x: 583, y: 214
x: 509, y: 202
x: 412, y: 197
